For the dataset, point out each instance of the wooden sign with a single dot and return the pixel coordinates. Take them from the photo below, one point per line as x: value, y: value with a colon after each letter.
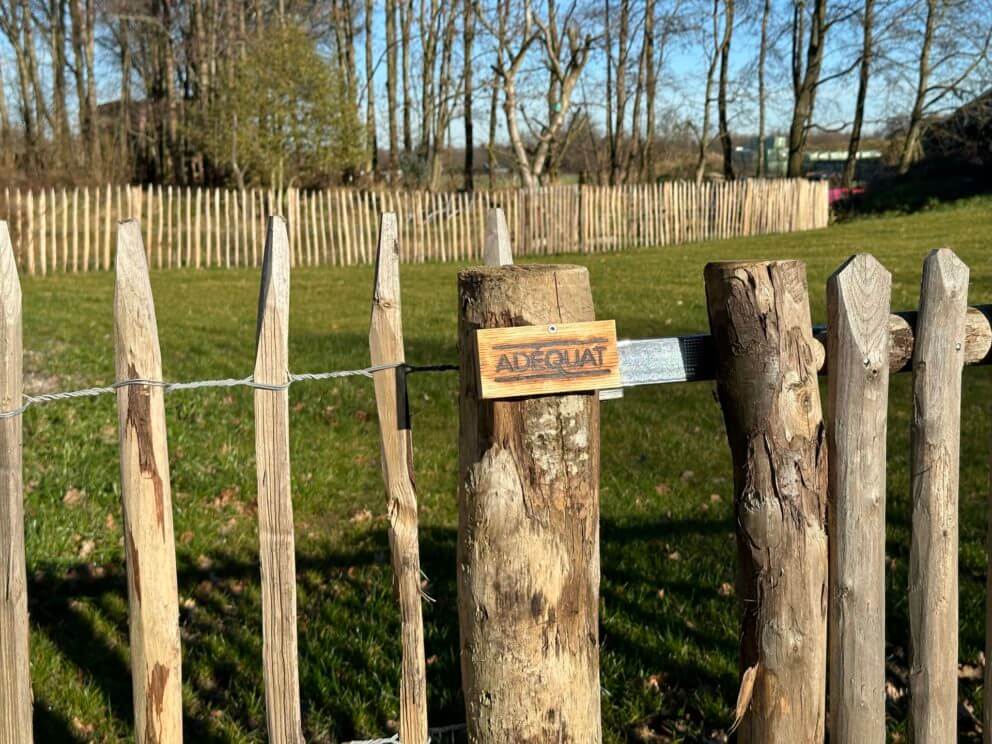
x: 538, y: 360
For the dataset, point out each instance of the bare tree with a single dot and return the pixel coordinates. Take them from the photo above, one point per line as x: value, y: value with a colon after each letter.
x: 468, y: 38
x: 15, y: 21
x: 864, y: 73
x: 711, y: 37
x: 565, y: 54
x: 805, y: 76
x: 371, y: 136
x: 762, y: 165
x: 391, y: 83
x: 725, y: 141
x: 951, y: 27
x: 83, y: 15
x: 406, y: 19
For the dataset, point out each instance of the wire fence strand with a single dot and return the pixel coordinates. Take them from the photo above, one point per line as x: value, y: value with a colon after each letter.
x: 248, y: 382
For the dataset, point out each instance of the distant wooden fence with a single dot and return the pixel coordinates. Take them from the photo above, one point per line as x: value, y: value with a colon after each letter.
x: 72, y: 229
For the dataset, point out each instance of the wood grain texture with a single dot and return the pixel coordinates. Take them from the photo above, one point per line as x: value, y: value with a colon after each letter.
x: 554, y: 358
x: 938, y: 358
x: 15, y: 673
x: 858, y: 299
x: 276, y: 536
x: 386, y: 345
x: 497, y: 250
x: 150, y: 551
x: 767, y: 384
x: 528, y: 527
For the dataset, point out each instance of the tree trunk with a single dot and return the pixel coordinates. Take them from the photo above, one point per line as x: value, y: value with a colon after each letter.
x: 391, y: 84
x: 469, y: 37
x: 805, y: 81
x: 371, y: 136
x: 914, y: 130
x: 864, y: 70
x: 762, y: 165
x: 406, y: 17
x: 650, y: 93
x: 528, y: 533
x: 767, y: 385
x: 726, y: 145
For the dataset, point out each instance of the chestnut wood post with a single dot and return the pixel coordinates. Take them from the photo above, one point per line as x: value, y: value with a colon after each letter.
x: 938, y: 356
x: 528, y: 527
x: 15, y: 673
x: 766, y: 380
x: 396, y: 439
x: 146, y: 494
x: 858, y: 296
x: 276, y: 536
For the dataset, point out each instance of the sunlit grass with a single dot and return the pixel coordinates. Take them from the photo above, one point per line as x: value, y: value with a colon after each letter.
x: 669, y: 625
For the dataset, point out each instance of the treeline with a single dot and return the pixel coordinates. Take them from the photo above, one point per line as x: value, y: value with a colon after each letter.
x: 308, y: 92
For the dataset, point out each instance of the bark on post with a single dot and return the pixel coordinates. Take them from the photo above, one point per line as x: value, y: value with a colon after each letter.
x: 146, y: 494
x: 938, y: 357
x: 858, y: 373
x: 766, y: 380
x: 528, y: 527
x: 15, y: 673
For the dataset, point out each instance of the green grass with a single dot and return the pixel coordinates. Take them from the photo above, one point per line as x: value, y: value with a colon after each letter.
x: 669, y: 628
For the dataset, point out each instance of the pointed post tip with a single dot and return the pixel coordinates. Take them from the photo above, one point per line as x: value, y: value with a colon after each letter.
x: 945, y: 265
x: 387, y: 259
x: 861, y: 268
x: 497, y: 249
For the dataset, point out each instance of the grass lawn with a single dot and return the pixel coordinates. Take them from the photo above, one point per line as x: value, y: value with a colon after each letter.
x: 669, y: 619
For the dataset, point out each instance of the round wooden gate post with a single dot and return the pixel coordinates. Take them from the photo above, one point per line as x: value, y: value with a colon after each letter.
x: 766, y: 380
x: 528, y: 527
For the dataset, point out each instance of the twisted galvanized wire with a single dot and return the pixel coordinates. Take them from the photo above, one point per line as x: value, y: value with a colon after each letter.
x: 249, y: 382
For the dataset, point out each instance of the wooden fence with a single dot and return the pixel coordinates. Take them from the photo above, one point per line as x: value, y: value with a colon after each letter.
x: 71, y: 229
x: 811, y: 579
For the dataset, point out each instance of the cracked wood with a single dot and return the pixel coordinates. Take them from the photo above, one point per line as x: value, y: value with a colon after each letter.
x: 767, y: 385
x: 153, y: 597
x: 528, y: 532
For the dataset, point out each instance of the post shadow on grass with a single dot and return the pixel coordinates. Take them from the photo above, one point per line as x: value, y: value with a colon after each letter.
x: 227, y: 614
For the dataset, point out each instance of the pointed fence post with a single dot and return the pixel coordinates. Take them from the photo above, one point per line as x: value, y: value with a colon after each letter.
x: 938, y: 358
x: 767, y: 385
x: 858, y: 379
x: 280, y: 662
x: 149, y: 543
x: 386, y: 346
x: 528, y: 526
x: 15, y: 672
x: 498, y: 251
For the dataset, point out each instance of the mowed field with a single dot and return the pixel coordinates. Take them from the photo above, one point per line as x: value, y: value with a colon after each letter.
x: 668, y: 613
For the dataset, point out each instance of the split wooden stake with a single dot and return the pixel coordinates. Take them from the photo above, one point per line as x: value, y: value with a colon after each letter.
x: 275, y: 505
x: 938, y: 358
x: 858, y: 378
x: 150, y: 551
x: 15, y: 673
x: 498, y: 251
x: 386, y: 345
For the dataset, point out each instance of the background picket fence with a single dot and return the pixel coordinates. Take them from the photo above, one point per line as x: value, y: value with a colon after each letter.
x: 71, y: 229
